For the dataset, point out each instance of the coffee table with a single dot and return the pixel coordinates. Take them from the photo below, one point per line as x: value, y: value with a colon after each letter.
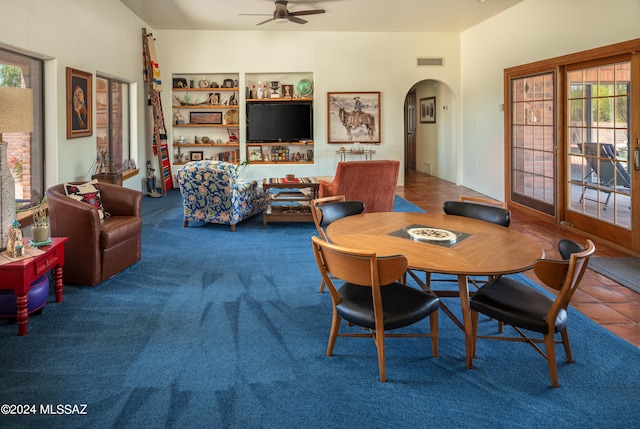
x: 288, y: 200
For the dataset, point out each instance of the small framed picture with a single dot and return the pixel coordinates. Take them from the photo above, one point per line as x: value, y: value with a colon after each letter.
x: 195, y: 155
x: 205, y: 118
x: 79, y: 103
x: 428, y: 110
x: 287, y: 91
x: 214, y: 98
x: 254, y: 153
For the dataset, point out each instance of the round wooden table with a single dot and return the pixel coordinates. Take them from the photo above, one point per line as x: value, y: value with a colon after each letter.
x: 481, y: 248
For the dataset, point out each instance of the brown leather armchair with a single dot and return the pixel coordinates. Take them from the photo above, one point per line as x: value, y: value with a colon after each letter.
x: 372, y: 182
x: 97, y: 248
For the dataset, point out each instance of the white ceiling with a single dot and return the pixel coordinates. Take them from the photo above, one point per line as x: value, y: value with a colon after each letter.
x: 341, y: 15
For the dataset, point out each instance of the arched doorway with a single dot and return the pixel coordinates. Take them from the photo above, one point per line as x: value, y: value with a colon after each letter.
x: 431, y: 130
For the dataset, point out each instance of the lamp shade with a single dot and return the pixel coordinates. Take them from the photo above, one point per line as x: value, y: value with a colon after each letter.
x: 16, y: 110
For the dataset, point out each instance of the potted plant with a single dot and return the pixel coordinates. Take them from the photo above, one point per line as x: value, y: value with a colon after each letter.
x: 40, y: 226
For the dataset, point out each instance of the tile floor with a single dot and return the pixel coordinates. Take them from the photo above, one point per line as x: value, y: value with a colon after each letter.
x: 604, y: 301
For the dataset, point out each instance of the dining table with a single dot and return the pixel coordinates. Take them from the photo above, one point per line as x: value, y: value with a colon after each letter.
x: 440, y: 243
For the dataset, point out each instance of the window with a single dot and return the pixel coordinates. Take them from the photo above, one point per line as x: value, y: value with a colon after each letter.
x: 25, y: 151
x: 112, y: 125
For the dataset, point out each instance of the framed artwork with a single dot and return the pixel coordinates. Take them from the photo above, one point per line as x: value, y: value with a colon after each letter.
x: 287, y: 91
x: 353, y: 117
x: 428, y: 110
x: 214, y: 98
x: 195, y: 155
x: 79, y: 103
x: 205, y: 118
x: 254, y: 153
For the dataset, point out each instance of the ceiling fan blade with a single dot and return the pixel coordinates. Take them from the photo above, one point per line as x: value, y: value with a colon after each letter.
x: 265, y: 21
x: 297, y: 20
x: 307, y: 12
x: 255, y: 14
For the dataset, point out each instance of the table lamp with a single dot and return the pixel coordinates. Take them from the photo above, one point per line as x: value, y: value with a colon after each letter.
x: 16, y: 116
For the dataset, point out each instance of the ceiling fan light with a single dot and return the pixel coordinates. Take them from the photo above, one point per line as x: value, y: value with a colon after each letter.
x: 281, y: 20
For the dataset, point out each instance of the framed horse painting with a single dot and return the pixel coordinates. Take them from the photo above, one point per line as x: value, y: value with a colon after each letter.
x: 353, y: 117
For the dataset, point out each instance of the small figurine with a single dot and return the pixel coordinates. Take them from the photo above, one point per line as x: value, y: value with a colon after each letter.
x: 15, y: 248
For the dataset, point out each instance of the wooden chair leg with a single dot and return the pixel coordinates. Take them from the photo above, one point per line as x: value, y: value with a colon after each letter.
x: 322, y: 286
x: 567, y: 345
x: 233, y: 228
x: 379, y: 337
x: 335, y: 327
x: 550, y: 346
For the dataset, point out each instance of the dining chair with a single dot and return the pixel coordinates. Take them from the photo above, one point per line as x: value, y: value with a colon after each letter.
x: 526, y: 308
x: 329, y: 209
x: 371, y: 298
x: 477, y: 208
x: 566, y: 247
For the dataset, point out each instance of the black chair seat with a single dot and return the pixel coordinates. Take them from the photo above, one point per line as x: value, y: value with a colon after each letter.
x: 403, y: 305
x: 516, y: 304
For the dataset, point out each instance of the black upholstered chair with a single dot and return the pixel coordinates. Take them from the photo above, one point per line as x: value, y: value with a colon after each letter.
x: 493, y: 214
x: 525, y: 308
x: 371, y: 297
x: 566, y: 247
x: 329, y: 209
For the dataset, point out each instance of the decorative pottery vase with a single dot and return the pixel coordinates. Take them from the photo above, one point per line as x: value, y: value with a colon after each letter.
x: 203, y: 83
x: 40, y: 234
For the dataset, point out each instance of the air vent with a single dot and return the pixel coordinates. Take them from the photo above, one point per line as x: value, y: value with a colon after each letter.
x: 430, y: 61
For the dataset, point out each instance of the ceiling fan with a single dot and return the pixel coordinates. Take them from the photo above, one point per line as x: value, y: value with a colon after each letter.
x: 282, y: 14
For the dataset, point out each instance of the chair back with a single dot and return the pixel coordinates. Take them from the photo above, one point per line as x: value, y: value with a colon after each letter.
x: 373, y: 182
x: 564, y: 276
x: 360, y: 267
x: 603, y: 162
x: 329, y: 209
x: 484, y: 212
x: 566, y: 247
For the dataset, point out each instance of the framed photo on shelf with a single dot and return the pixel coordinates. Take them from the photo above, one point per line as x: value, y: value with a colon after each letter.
x: 353, y: 117
x: 79, y: 103
x: 196, y: 155
x: 287, y: 91
x: 428, y: 110
x: 254, y: 153
x: 214, y: 98
x: 205, y: 118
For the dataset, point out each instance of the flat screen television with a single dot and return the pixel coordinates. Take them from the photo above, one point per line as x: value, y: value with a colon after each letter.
x: 280, y: 121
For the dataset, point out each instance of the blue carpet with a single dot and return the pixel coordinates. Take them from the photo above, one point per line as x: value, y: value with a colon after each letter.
x: 227, y: 330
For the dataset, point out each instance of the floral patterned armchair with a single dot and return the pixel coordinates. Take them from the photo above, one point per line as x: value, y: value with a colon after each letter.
x: 212, y: 193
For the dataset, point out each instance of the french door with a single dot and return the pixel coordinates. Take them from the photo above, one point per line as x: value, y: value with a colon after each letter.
x: 601, y: 151
x: 572, y: 140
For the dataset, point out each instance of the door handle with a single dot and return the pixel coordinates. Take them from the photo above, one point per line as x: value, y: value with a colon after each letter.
x: 636, y: 158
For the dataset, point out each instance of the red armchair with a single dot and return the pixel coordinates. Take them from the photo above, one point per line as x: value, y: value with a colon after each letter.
x: 372, y: 182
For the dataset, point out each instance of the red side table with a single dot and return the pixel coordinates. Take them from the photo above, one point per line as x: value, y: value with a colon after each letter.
x: 19, y: 275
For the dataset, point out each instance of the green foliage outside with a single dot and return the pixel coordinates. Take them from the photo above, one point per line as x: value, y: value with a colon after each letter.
x: 10, y: 76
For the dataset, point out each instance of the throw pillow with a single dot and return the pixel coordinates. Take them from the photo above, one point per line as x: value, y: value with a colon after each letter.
x: 88, y: 193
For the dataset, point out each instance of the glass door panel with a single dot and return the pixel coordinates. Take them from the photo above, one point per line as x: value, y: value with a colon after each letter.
x: 533, y: 142
x: 598, y: 138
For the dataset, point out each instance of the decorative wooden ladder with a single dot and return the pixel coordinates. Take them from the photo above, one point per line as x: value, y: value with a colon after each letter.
x: 160, y: 146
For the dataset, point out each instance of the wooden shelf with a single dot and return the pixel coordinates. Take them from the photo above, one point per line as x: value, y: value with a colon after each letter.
x: 206, y: 145
x: 204, y: 89
x: 267, y: 99
x: 207, y: 125
x: 307, y: 143
x: 205, y: 106
x: 281, y: 162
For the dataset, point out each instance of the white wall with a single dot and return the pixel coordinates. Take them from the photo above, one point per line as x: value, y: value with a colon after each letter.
x: 530, y: 31
x: 384, y: 62
x: 95, y: 36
